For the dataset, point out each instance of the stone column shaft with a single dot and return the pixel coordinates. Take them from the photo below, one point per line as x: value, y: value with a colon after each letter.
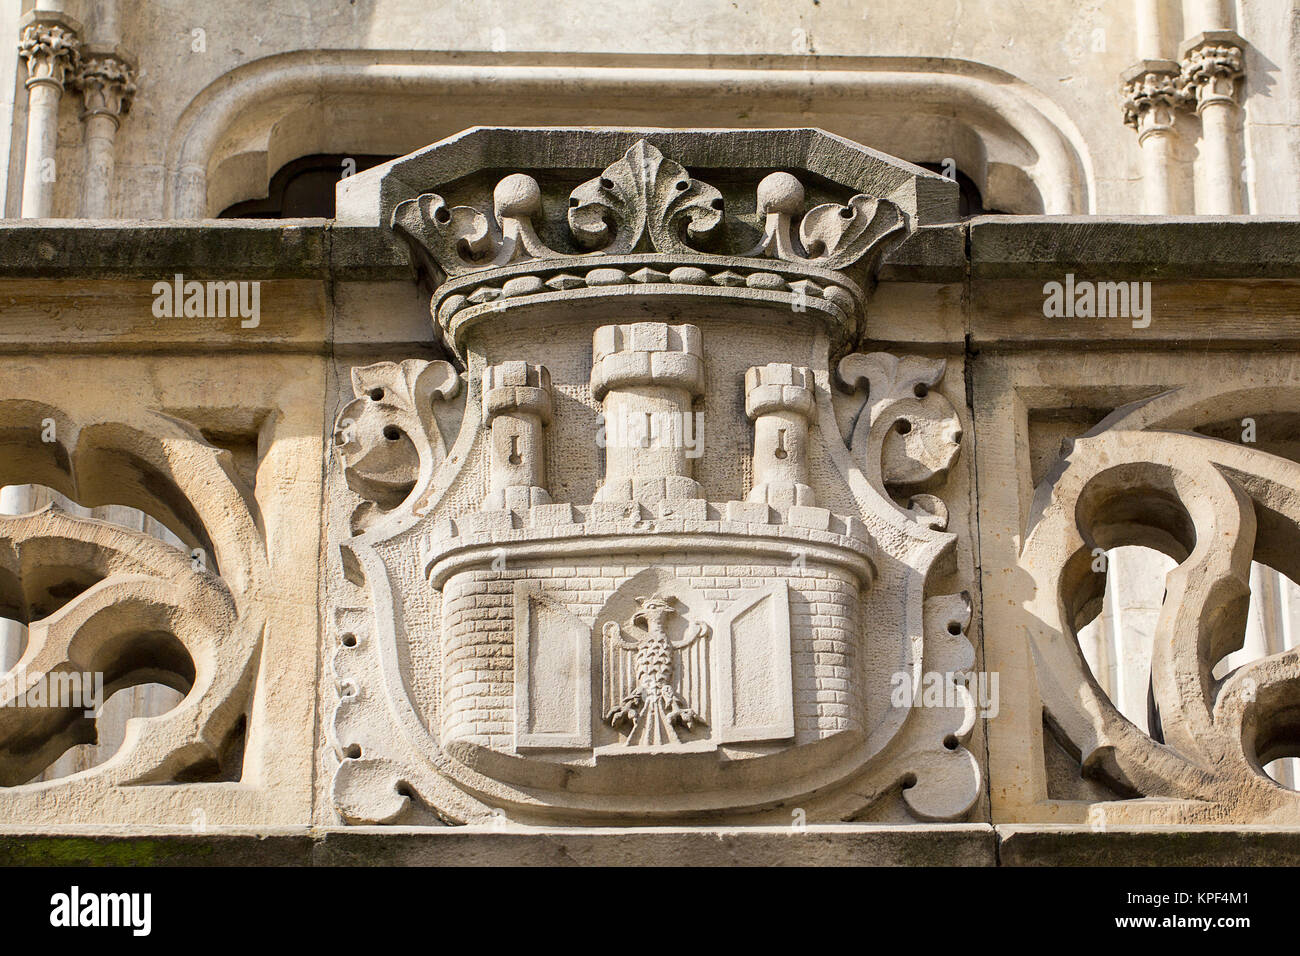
x: 49, y: 45
x: 1212, y: 67
x: 42, y: 137
x: 1151, y: 28
x: 1222, y: 195
x: 1209, y: 14
x: 106, y: 81
x: 101, y: 133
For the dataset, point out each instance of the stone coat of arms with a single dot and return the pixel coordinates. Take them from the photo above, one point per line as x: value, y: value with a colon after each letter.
x: 655, y: 537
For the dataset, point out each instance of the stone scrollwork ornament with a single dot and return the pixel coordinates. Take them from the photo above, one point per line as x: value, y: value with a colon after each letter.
x: 644, y: 194
x: 106, y: 600
x: 833, y: 235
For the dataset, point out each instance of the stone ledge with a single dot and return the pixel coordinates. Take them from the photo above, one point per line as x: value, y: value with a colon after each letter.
x: 136, y: 249
x: 930, y: 254
x: 820, y: 845
x: 1000, y: 247
x: 305, y: 248
x: 969, y: 844
x: 1207, y: 846
x: 1107, y: 247
x: 139, y: 846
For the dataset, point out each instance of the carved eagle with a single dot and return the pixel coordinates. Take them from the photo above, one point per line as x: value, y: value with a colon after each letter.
x: 653, y: 684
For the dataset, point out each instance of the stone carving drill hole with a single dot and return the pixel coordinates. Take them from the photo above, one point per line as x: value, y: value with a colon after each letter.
x: 353, y: 752
x: 349, y: 640
x: 392, y: 433
x: 376, y: 394
x: 903, y: 426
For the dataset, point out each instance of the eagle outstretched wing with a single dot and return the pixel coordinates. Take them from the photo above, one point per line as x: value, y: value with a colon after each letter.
x: 692, y: 668
x: 619, y: 666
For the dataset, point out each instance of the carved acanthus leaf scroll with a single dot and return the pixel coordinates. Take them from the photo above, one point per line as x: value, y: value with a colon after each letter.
x: 832, y: 235
x: 642, y: 194
x: 465, y: 239
x: 644, y: 203
x: 906, y: 435
x: 387, y: 437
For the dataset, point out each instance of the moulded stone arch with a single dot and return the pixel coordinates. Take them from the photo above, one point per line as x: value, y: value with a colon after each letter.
x: 1020, y: 149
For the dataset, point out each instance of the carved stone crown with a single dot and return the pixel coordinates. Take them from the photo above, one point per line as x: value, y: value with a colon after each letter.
x: 644, y: 203
x: 805, y: 237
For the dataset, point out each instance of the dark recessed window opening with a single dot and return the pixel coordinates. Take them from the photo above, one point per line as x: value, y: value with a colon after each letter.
x: 303, y: 188
x: 969, y: 200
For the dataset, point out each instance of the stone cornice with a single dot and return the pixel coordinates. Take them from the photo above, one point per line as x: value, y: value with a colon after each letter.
x: 999, y: 246
x: 1131, y: 247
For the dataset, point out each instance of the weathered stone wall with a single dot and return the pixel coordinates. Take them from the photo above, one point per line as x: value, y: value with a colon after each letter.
x: 93, y: 305
x: 1028, y: 108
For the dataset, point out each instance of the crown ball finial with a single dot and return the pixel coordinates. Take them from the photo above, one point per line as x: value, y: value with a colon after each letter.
x: 780, y: 193
x: 517, y: 196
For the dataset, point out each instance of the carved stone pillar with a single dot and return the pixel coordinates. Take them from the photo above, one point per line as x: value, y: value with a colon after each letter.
x: 779, y: 401
x: 517, y: 406
x: 648, y: 375
x: 107, y: 84
x: 1152, y: 97
x: 50, y: 48
x: 1212, y: 74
